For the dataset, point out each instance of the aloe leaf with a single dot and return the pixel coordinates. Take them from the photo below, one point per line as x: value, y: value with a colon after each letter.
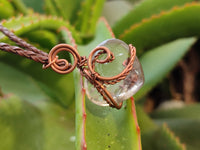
x: 145, y: 122
x: 186, y: 129
x: 13, y: 81
x: 158, y: 62
x: 112, y: 129
x: 67, y: 9
x: 143, y: 10
x: 88, y: 16
x: 6, y: 9
x: 50, y: 8
x: 26, y: 126
x: 97, y: 10
x: 47, y: 40
x: 59, y: 88
x: 162, y: 138
x: 103, y: 127
x: 36, y: 5
x: 84, y: 15
x: 64, y: 8
x: 184, y: 122
x: 164, y: 27
x: 155, y: 137
x: 19, y: 6
x: 188, y: 111
x: 24, y: 24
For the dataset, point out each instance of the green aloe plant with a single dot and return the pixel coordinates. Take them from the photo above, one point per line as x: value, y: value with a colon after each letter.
x: 40, y: 109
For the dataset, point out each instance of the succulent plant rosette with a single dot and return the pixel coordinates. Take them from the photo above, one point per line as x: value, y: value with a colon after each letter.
x: 94, y: 73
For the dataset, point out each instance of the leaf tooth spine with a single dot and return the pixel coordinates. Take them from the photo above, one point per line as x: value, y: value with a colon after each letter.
x: 32, y: 22
x: 21, y: 15
x: 31, y: 15
x: 40, y: 16
x: 3, y: 21
x: 108, y: 26
x: 13, y: 17
x: 55, y: 17
x: 9, y: 20
x: 175, y: 8
x: 44, y: 17
x: 47, y: 17
x: 192, y: 3
x: 177, y: 139
x: 12, y: 30
x: 60, y: 18
x: 34, y: 15
x: 93, y: 7
x: 128, y: 30
x: 154, y: 17
x: 183, y: 146
x: 144, y: 20
x: 22, y: 25
x: 83, y: 3
x: 36, y: 20
x: 37, y: 14
x: 67, y: 22
x: 50, y: 17
x: 171, y: 134
x: 163, y: 12
x: 187, y: 4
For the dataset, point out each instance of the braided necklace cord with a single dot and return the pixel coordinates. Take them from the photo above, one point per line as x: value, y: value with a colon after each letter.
x: 29, y: 50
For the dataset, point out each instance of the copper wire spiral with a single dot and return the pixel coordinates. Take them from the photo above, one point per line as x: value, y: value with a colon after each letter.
x: 54, y: 62
x: 87, y: 67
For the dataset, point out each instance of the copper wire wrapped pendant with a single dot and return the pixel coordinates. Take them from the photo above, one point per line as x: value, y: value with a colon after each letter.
x: 112, y: 71
x: 123, y: 89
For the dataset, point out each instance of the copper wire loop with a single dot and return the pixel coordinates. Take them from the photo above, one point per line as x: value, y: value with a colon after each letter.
x: 87, y: 67
x: 54, y: 61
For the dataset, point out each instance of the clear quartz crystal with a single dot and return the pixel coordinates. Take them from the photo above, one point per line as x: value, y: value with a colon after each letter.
x: 123, y: 89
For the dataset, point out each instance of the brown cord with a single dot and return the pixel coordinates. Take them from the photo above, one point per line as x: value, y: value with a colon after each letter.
x: 28, y: 54
x: 30, y: 51
x: 62, y: 66
x: 21, y: 42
